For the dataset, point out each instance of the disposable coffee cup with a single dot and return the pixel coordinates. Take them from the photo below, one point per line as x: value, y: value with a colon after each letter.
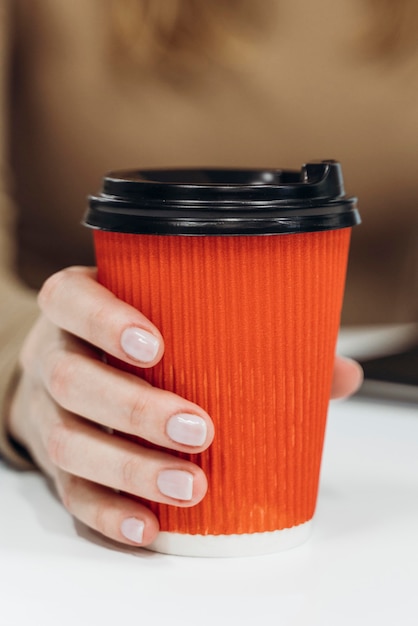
x: 243, y: 272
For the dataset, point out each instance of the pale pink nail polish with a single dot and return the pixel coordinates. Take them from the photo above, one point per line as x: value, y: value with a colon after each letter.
x: 188, y: 429
x: 133, y: 529
x: 139, y: 344
x: 177, y: 484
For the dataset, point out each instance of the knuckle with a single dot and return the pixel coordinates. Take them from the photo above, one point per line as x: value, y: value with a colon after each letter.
x: 67, y: 492
x: 98, y: 320
x: 61, y: 375
x: 101, y: 517
x: 139, y: 407
x: 130, y: 472
x: 72, y: 493
x: 55, y: 283
x: 57, y: 444
x: 49, y: 289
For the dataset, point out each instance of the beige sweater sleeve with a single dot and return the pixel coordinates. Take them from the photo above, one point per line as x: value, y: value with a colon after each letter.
x: 17, y: 303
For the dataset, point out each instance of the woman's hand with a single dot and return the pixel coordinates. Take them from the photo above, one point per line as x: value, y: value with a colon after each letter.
x: 68, y: 399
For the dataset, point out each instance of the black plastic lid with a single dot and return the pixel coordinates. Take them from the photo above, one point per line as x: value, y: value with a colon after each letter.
x: 223, y: 201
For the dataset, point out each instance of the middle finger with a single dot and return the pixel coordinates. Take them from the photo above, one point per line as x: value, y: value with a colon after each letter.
x: 92, y: 389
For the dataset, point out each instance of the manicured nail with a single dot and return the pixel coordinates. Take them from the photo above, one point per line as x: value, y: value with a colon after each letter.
x: 176, y: 484
x: 132, y: 529
x: 139, y: 344
x: 187, y: 429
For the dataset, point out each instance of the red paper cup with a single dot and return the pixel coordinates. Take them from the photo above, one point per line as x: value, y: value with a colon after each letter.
x: 248, y: 301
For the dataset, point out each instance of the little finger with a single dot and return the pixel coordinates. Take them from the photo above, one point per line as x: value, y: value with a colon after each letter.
x: 111, y: 514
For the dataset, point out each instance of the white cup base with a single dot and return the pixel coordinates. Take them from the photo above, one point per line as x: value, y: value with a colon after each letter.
x: 248, y: 544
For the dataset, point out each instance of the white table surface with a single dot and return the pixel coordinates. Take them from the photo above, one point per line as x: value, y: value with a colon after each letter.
x: 359, y: 568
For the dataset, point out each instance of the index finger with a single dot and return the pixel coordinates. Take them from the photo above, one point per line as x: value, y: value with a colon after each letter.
x: 74, y: 301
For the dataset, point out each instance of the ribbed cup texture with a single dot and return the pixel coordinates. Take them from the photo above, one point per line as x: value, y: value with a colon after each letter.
x: 250, y: 326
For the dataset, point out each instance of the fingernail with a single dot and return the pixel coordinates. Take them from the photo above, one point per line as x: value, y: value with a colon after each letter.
x: 187, y: 429
x: 139, y: 344
x: 176, y: 484
x: 132, y: 529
